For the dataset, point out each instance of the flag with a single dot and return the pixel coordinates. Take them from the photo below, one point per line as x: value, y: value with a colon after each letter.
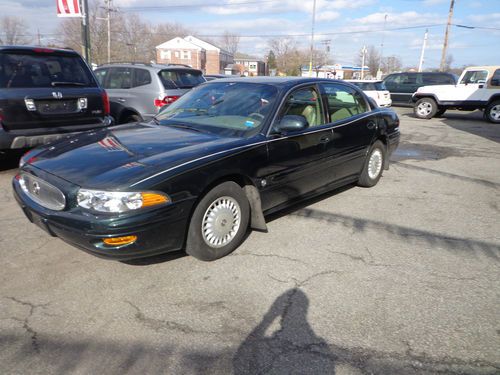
x: 69, y: 8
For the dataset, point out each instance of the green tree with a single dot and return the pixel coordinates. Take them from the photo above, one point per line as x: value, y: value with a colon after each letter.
x: 271, y: 60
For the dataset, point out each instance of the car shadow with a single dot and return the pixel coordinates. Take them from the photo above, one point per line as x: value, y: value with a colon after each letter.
x: 475, y: 126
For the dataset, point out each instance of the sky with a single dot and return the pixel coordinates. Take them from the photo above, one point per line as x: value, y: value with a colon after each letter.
x: 347, y: 24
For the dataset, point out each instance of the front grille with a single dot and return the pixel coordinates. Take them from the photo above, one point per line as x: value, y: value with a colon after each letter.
x: 42, y: 192
x: 55, y: 107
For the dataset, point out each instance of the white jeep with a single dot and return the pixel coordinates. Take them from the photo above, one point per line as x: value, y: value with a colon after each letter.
x: 478, y: 88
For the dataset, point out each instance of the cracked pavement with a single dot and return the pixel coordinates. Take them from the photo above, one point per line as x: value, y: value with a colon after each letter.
x: 402, y: 278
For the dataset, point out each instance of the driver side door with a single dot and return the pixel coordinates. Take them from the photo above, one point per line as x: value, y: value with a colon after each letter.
x: 296, y: 160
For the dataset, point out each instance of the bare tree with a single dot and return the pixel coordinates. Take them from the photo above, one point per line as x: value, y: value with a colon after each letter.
x: 372, y: 60
x: 230, y: 42
x: 288, y: 57
x: 391, y: 64
x: 13, y: 30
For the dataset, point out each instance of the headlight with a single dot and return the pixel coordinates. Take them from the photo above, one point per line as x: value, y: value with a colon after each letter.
x: 112, y: 201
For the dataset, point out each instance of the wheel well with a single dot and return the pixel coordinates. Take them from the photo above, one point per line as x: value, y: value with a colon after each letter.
x: 494, y: 98
x: 257, y: 220
x: 127, y: 113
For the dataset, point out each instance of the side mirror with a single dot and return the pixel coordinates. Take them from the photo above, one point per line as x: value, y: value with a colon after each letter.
x: 291, y: 123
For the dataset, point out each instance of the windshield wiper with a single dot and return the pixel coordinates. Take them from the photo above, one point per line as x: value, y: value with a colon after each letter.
x: 183, y: 126
x: 60, y: 83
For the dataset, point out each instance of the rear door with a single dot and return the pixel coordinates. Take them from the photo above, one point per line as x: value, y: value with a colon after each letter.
x: 354, y: 129
x: 47, y: 89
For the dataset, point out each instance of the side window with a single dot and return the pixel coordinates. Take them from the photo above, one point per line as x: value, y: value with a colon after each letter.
x: 120, y: 78
x: 304, y: 102
x: 101, y: 76
x: 408, y: 79
x: 474, y: 76
x: 495, y: 80
x: 141, y: 77
x: 343, y: 102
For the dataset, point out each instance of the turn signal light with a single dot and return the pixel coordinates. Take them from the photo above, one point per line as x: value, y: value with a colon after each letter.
x: 118, y: 241
x: 152, y: 199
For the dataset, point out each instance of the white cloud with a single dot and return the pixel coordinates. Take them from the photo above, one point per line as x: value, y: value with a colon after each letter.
x: 434, y: 2
x: 327, y: 16
x: 487, y: 20
x: 410, y: 18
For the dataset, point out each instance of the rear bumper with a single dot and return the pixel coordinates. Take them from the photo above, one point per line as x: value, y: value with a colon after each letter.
x: 41, y: 136
x: 158, y: 231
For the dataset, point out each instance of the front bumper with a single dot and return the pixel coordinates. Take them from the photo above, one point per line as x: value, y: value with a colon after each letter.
x: 158, y: 231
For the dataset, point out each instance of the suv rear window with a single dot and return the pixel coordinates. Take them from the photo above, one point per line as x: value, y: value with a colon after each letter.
x: 437, y: 79
x: 26, y: 69
x: 180, y: 79
x: 370, y: 86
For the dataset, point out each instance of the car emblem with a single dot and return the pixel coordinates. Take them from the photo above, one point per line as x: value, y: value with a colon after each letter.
x: 57, y: 94
x: 36, y: 188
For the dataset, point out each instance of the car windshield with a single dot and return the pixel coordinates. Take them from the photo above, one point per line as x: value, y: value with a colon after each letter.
x: 26, y: 69
x: 180, y: 79
x: 235, y: 109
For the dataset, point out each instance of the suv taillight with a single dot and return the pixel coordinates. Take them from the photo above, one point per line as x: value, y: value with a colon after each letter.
x: 105, y: 102
x: 166, y: 100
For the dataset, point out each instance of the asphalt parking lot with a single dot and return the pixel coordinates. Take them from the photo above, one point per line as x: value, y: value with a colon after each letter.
x: 403, y: 278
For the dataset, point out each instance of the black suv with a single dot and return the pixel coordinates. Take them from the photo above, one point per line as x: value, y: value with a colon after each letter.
x: 46, y: 94
x: 403, y: 85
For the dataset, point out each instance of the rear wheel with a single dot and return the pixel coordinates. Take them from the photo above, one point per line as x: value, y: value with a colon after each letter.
x: 425, y: 108
x: 492, y: 112
x: 374, y: 165
x: 132, y: 118
x: 219, y: 222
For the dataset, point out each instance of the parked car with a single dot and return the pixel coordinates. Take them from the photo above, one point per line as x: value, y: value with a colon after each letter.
x: 46, y: 94
x: 138, y: 91
x: 207, y: 168
x: 375, y: 90
x: 403, y: 85
x: 477, y: 88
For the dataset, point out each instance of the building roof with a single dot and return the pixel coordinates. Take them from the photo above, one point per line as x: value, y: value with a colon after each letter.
x: 201, y: 43
x: 179, y: 43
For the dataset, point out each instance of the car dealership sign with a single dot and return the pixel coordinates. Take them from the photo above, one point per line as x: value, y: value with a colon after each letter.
x: 69, y: 8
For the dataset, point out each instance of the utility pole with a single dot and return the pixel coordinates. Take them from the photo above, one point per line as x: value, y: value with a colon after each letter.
x: 85, y: 31
x: 326, y: 42
x: 423, y: 51
x: 39, y: 39
x: 363, y: 53
x: 445, y: 43
x: 379, y: 70
x: 108, y: 8
x: 312, y: 38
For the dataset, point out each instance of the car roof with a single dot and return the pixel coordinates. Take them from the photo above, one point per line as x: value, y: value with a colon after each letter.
x: 363, y: 80
x: 155, y: 67
x: 277, y: 81
x: 38, y: 49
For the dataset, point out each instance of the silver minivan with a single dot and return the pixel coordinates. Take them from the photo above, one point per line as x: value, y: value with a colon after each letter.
x: 138, y: 91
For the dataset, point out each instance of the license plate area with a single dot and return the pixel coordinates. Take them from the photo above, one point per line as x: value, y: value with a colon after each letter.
x: 56, y: 107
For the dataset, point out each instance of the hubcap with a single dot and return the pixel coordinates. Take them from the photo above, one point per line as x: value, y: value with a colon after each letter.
x: 221, y: 222
x: 424, y: 108
x: 375, y: 164
x: 495, y: 112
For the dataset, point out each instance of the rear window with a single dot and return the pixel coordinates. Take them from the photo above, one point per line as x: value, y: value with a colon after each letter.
x: 438, y: 79
x: 43, y: 70
x: 370, y: 86
x: 180, y: 79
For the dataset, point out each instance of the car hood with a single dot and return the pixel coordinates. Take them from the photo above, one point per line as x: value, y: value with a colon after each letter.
x: 116, y: 157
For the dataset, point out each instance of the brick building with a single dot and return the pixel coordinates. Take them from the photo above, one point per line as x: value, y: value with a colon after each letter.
x: 194, y: 52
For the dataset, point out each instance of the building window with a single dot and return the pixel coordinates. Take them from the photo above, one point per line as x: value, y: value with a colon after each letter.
x: 176, y: 54
x: 186, y: 55
x: 253, y: 66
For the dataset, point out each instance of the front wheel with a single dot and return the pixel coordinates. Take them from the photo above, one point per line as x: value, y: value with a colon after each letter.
x: 425, y: 108
x: 374, y: 165
x: 219, y: 222
x: 492, y: 112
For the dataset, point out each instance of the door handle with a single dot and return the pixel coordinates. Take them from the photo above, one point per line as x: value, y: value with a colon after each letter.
x: 324, y: 139
x: 121, y: 100
x: 371, y: 125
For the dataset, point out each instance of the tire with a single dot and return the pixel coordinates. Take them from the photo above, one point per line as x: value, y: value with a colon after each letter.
x: 425, y: 108
x: 440, y: 112
x: 132, y: 118
x: 374, y: 165
x: 492, y: 112
x: 225, y: 203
